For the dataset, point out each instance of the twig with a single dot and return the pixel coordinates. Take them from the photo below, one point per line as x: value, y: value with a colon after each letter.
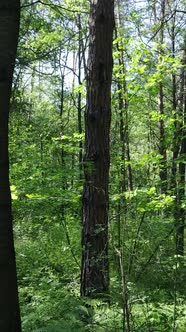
x: 155, y: 251
x: 54, y: 6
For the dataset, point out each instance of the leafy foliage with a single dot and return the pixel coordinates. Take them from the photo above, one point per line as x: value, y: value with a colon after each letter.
x: 46, y: 145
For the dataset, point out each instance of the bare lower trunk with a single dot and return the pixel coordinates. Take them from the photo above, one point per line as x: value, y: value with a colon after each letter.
x: 180, y: 210
x: 94, y: 271
x: 9, y: 306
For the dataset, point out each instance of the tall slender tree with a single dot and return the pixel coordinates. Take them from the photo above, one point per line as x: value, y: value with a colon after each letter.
x: 180, y: 211
x: 161, y: 124
x: 94, y: 269
x: 9, y: 306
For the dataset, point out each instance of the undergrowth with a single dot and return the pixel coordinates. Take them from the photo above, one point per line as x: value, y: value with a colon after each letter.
x: 49, y: 293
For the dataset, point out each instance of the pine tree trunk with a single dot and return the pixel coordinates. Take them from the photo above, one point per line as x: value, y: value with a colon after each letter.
x: 9, y: 306
x: 180, y: 210
x: 94, y: 270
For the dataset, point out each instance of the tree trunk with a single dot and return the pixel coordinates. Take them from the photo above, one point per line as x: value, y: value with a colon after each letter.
x: 162, y: 142
x: 80, y: 95
x: 94, y: 269
x: 175, y: 143
x: 9, y: 306
x: 180, y: 210
x: 162, y: 147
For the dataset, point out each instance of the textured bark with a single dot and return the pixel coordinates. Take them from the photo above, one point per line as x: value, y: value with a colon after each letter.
x: 94, y: 270
x: 180, y: 210
x: 9, y: 307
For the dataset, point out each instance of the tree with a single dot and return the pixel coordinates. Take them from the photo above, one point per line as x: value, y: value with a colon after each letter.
x: 9, y: 305
x: 180, y: 211
x: 161, y: 124
x: 162, y: 143
x: 94, y: 269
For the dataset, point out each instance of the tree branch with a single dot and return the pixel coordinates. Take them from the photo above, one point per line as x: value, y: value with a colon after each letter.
x: 54, y: 6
